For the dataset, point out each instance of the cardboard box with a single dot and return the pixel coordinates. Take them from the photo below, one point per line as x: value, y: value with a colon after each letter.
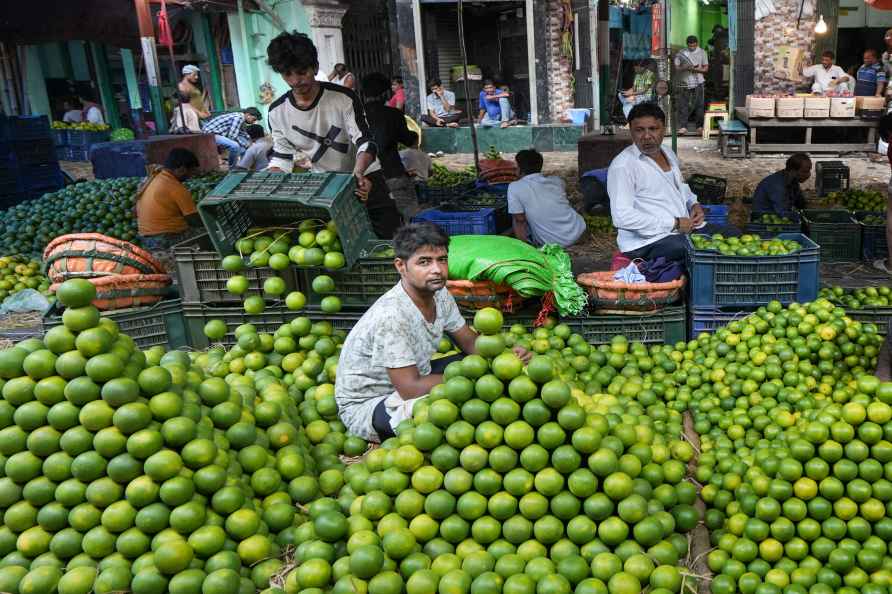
x: 817, y: 107
x: 790, y: 107
x: 842, y: 107
x: 870, y: 103
x: 760, y: 107
x: 788, y: 62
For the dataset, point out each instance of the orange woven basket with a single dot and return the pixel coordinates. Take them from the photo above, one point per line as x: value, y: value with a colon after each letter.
x: 93, y: 255
x: 128, y: 290
x: 606, y: 292
x: 480, y: 294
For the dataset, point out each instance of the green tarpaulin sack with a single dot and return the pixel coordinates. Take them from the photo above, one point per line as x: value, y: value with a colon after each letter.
x: 529, y: 271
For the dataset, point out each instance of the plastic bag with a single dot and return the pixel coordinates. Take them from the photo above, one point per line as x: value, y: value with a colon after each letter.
x: 529, y: 271
x: 25, y: 300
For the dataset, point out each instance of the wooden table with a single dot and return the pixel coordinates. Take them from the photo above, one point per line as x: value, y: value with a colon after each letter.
x: 841, y: 147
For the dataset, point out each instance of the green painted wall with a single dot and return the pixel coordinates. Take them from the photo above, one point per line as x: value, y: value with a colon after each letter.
x: 52, y: 60
x: 710, y: 16
x: 79, y: 65
x: 251, y: 69
x: 685, y: 16
x: 35, y: 87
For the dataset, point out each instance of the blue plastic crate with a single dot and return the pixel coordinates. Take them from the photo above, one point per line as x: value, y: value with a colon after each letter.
x: 59, y: 136
x: 86, y: 137
x: 482, y: 186
x: 24, y: 127
x: 719, y: 280
x: 716, y: 214
x: 461, y: 222
x: 77, y: 153
x: 710, y: 319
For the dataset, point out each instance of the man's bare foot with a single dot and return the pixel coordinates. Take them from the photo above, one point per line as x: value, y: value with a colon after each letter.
x: 699, y: 131
x: 504, y: 124
x: 452, y: 125
x: 682, y: 131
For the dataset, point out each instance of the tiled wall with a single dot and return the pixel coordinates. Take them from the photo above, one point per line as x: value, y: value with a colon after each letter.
x: 776, y: 30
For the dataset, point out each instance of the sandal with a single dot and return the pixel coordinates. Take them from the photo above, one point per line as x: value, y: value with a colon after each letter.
x: 882, y: 266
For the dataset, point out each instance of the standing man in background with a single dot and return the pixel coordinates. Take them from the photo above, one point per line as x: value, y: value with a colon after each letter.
x: 190, y: 85
x: 871, y: 78
x: 692, y: 64
x: 327, y: 122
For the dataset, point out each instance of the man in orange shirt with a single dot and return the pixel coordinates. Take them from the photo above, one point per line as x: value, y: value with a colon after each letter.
x: 164, y: 208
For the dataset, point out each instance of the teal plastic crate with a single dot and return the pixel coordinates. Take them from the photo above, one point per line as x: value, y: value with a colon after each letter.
x: 244, y: 201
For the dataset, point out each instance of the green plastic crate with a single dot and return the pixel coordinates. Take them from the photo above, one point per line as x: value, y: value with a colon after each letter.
x: 196, y: 315
x: 361, y: 285
x: 161, y: 324
x: 834, y: 229
x: 243, y: 201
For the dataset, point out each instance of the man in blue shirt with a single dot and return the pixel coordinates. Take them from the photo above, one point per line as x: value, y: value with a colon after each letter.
x: 495, y: 109
x: 871, y: 78
x: 780, y: 192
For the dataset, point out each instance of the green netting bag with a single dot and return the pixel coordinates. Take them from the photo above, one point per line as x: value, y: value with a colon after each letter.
x: 529, y: 271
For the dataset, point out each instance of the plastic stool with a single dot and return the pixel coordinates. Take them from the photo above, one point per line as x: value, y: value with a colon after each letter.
x: 708, y: 117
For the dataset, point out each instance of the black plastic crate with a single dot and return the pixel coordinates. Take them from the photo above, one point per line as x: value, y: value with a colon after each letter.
x: 159, y: 324
x: 34, y: 152
x: 718, y: 280
x: 482, y: 198
x: 45, y: 178
x: 873, y: 237
x: 196, y: 315
x: 203, y: 280
x: 831, y: 176
x: 360, y: 285
x: 834, y: 229
x: 243, y: 201
x: 434, y: 196
x: 766, y: 230
x: 708, y: 189
x: 24, y: 127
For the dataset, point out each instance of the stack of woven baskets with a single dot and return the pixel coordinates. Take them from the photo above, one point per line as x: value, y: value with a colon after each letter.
x: 124, y: 274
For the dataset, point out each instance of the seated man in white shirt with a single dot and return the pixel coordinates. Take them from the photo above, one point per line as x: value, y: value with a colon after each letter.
x: 651, y: 205
x: 539, y: 207
x: 827, y: 76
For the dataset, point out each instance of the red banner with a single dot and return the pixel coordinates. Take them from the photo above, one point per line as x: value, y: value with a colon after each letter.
x: 656, y: 28
x: 164, y: 36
